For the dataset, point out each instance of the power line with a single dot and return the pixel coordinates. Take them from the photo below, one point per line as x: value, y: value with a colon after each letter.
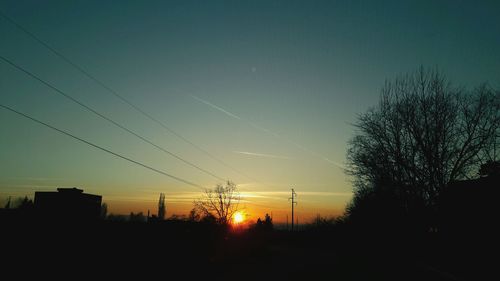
x: 106, y: 118
x: 101, y: 148
x: 115, y: 93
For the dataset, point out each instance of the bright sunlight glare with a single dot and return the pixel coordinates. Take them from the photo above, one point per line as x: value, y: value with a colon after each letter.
x: 238, y: 218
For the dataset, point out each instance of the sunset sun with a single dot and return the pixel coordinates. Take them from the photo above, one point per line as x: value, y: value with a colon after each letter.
x: 342, y: 140
x: 238, y: 218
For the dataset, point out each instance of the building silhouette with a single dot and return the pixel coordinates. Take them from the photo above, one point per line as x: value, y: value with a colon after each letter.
x: 68, y: 204
x: 470, y: 207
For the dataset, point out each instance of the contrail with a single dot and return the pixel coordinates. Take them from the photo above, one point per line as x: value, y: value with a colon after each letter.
x: 255, y: 126
x: 37, y: 179
x: 281, y: 195
x: 216, y: 107
x: 263, y: 155
x: 303, y: 193
x: 339, y: 165
x: 260, y: 128
x: 234, y: 115
x: 316, y: 154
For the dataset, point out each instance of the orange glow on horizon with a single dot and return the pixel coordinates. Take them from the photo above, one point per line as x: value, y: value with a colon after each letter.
x: 250, y: 213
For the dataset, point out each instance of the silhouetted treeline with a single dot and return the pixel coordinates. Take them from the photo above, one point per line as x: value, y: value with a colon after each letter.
x: 424, y: 135
x: 263, y: 225
x: 426, y: 174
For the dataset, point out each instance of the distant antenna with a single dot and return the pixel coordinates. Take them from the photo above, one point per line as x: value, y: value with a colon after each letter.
x: 294, y: 196
x: 161, y: 207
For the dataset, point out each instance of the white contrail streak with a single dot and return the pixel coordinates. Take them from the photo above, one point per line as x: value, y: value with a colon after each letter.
x: 263, y: 155
x: 216, y: 107
x: 280, y: 195
x: 314, y: 153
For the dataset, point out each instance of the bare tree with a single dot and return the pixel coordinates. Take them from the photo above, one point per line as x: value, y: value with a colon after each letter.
x: 423, y: 135
x: 221, y: 202
x: 194, y: 215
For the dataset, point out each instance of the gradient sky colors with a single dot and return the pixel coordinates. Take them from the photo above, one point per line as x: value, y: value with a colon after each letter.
x: 269, y: 87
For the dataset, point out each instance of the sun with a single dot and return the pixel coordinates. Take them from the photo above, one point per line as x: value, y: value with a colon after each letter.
x: 238, y: 218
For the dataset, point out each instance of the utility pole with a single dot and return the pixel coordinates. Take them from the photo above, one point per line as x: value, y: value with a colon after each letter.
x: 294, y: 196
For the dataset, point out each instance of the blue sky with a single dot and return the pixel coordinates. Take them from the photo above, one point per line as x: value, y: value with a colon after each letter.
x: 269, y: 87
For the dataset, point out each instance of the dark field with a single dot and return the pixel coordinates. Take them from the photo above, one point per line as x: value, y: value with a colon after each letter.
x: 203, y: 251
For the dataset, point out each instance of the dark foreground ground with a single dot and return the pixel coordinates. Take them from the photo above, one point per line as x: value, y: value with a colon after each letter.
x: 187, y: 251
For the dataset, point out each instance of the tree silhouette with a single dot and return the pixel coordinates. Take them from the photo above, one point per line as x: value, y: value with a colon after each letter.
x: 194, y: 216
x: 209, y: 219
x: 104, y: 210
x: 423, y: 134
x: 264, y: 225
x: 7, y: 205
x: 21, y: 203
x: 268, y: 222
x: 490, y: 168
x: 322, y: 223
x: 221, y: 202
x: 26, y: 204
x: 137, y: 217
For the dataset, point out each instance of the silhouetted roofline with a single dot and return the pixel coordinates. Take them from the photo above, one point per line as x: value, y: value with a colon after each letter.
x: 70, y: 189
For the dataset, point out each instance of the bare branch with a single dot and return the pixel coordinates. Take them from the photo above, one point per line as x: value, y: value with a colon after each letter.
x: 221, y: 202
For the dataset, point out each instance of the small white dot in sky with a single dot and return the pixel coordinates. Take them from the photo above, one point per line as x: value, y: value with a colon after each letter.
x: 254, y: 69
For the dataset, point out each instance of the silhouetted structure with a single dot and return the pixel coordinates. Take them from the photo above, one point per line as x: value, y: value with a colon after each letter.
x: 264, y: 225
x: 161, y: 207
x: 470, y: 207
x: 68, y: 203
x: 292, y: 199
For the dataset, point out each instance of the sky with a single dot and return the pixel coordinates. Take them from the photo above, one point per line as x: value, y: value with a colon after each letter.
x: 263, y: 93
